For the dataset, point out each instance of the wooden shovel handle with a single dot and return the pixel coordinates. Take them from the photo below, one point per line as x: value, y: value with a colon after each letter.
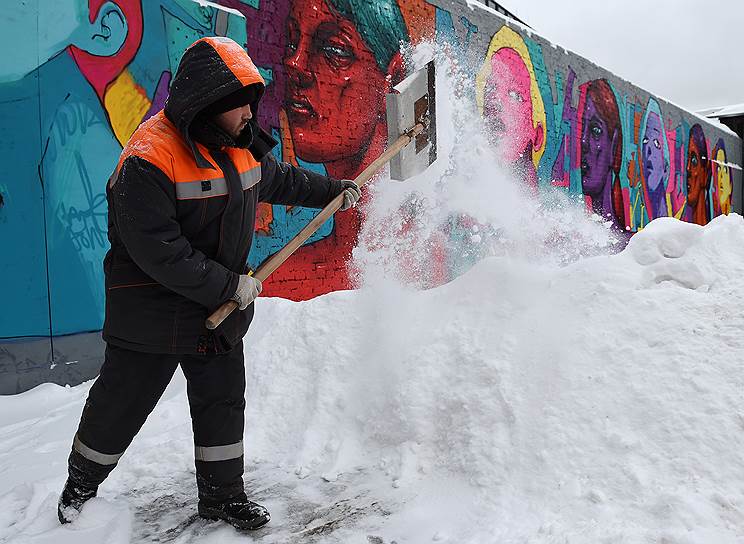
x: 276, y: 260
x: 220, y: 314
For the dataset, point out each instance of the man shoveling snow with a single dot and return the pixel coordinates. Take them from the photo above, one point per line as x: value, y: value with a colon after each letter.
x: 182, y: 207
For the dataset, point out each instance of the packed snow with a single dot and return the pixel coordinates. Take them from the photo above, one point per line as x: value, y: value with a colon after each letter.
x: 553, y: 392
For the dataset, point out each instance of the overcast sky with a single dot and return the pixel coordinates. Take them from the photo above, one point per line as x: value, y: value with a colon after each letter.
x: 688, y: 51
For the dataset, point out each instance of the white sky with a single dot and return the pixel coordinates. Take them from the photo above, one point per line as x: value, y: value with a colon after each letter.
x: 689, y: 51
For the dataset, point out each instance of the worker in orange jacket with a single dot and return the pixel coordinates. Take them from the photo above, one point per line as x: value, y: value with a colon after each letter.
x: 182, y: 208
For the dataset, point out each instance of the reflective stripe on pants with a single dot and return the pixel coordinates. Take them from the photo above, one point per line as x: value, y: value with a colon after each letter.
x: 92, y: 455
x: 218, y: 453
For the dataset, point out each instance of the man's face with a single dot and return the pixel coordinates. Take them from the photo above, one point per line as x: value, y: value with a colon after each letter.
x: 653, y: 152
x: 596, y: 150
x: 335, y: 93
x: 234, y: 121
x: 507, y: 105
x: 696, y: 178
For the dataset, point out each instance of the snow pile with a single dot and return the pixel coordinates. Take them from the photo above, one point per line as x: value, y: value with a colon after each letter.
x: 600, y: 401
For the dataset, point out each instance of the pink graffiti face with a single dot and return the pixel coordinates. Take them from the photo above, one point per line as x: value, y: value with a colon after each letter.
x: 652, y: 148
x: 596, y: 150
x: 507, y: 105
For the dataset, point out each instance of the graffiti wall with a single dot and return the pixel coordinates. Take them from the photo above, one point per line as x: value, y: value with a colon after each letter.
x: 82, y: 76
x: 85, y: 73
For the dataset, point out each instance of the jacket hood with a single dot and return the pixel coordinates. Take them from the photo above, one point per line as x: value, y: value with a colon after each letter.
x: 210, y: 70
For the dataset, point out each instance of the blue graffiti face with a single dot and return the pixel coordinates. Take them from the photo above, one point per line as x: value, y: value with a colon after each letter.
x: 596, y: 150
x: 64, y: 23
x: 652, y: 148
x: 60, y: 20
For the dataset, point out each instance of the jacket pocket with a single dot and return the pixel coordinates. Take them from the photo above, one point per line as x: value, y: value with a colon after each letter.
x: 127, y: 275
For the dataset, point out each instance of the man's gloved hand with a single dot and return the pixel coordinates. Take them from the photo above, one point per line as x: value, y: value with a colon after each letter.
x: 248, y: 290
x: 351, y: 194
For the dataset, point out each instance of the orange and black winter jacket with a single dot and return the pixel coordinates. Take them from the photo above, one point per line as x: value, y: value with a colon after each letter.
x: 182, y: 214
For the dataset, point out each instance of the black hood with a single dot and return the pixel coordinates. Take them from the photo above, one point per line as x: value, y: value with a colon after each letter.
x: 210, y: 70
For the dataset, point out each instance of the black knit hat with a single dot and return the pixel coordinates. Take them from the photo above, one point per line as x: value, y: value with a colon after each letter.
x: 241, y: 97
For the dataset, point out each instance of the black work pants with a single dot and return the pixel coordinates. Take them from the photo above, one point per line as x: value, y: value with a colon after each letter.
x: 126, y: 391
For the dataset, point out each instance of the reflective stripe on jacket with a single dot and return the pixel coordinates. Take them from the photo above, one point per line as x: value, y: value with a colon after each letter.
x: 182, y: 215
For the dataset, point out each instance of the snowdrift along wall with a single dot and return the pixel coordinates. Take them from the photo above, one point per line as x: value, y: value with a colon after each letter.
x: 87, y: 73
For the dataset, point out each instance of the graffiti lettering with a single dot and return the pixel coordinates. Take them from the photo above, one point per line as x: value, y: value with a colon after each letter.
x: 87, y: 227
x: 71, y: 119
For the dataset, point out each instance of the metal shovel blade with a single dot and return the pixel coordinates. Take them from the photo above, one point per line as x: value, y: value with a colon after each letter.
x: 413, y: 102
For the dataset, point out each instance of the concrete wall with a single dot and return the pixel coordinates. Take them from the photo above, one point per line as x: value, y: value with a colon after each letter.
x: 85, y: 73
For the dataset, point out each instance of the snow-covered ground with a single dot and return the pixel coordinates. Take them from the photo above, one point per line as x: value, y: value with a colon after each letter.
x: 529, y: 400
x: 598, y: 402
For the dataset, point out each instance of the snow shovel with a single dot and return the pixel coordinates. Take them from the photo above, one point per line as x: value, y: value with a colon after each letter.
x: 410, y: 117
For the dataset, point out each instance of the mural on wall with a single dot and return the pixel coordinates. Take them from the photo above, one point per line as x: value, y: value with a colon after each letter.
x: 653, y: 150
x: 103, y: 67
x: 511, y: 104
x: 722, y: 182
x: 332, y: 63
x: 698, y: 173
x: 98, y: 68
x: 631, y: 163
x: 600, y: 151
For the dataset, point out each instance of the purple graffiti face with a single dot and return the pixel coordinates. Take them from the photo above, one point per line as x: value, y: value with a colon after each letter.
x: 596, y: 150
x: 652, y: 148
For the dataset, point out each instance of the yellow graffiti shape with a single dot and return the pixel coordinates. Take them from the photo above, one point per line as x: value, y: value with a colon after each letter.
x: 126, y: 104
x: 724, y: 182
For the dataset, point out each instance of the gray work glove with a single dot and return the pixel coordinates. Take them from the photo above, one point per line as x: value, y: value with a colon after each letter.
x: 248, y: 290
x: 351, y: 194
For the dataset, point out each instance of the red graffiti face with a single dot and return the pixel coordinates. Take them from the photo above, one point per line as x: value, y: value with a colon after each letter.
x: 596, y: 150
x: 696, y: 174
x: 335, y: 90
x: 507, y: 105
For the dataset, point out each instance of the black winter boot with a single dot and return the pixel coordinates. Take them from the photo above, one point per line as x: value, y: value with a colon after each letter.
x: 71, y: 501
x: 84, y: 477
x: 238, y: 512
